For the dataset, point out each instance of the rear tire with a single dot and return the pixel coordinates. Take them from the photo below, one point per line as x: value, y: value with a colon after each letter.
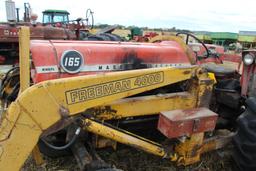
x: 245, y: 139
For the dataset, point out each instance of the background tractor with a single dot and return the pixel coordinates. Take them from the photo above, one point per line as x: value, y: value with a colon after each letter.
x: 55, y: 16
x: 59, y: 17
x: 56, y: 25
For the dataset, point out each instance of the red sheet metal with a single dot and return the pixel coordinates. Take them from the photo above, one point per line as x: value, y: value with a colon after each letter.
x: 103, y: 56
x: 178, y: 123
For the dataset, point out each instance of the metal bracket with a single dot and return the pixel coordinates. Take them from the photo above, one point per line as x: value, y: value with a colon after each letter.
x: 196, y: 125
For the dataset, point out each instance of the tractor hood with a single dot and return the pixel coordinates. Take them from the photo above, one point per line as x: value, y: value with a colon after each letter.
x: 59, y: 59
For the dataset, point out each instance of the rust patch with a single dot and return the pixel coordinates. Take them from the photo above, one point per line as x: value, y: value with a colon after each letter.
x: 103, y: 110
x: 64, y: 112
x: 132, y: 61
x: 208, y: 81
x: 57, y: 126
x: 186, y: 72
x: 87, y: 123
x: 205, y: 98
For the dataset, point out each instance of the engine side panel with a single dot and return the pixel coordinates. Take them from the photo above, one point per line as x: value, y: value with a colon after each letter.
x: 100, y: 57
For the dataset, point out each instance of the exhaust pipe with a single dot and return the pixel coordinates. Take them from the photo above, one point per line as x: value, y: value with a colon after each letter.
x: 18, y: 14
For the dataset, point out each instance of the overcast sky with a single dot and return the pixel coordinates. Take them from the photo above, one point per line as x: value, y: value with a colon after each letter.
x: 209, y: 15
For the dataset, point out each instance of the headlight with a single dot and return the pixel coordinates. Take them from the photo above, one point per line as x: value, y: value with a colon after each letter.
x: 248, y: 59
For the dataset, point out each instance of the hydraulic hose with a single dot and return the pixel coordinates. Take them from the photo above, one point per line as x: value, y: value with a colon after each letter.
x: 71, y: 142
x: 6, y: 78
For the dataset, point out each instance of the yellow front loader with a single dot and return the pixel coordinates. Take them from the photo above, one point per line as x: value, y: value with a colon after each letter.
x: 88, y: 102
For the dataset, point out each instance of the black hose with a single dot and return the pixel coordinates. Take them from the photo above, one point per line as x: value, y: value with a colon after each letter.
x: 71, y: 142
x: 7, y: 75
x: 13, y: 95
x: 6, y: 79
x: 8, y: 72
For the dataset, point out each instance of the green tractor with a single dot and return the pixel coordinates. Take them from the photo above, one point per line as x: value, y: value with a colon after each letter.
x: 55, y: 16
x: 60, y: 17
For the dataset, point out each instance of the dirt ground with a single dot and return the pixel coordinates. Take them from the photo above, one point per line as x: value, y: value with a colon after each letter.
x: 129, y: 159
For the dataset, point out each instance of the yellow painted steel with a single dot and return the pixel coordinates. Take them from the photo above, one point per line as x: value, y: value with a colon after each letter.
x: 212, y: 76
x: 24, y: 41
x: 218, y: 141
x: 144, y: 105
x: 76, y: 94
x: 198, y: 92
x: 189, y: 151
x: 17, y: 142
x: 47, y: 102
x: 37, y: 156
x: 128, y: 139
x: 204, y: 92
x: 24, y: 62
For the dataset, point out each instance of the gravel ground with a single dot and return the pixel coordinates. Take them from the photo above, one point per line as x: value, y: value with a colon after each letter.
x: 129, y: 159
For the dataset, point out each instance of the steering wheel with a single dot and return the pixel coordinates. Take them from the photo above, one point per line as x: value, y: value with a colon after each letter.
x: 191, y: 35
x: 89, y: 18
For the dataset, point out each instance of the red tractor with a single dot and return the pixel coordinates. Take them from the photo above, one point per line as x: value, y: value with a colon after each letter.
x: 54, y: 59
x: 219, y: 55
x: 116, y: 56
x: 56, y: 25
x: 205, y: 53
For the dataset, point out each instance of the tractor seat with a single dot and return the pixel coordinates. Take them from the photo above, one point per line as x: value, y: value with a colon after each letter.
x: 220, y: 70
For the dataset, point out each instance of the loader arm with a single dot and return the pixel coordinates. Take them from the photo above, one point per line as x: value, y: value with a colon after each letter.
x: 41, y: 106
